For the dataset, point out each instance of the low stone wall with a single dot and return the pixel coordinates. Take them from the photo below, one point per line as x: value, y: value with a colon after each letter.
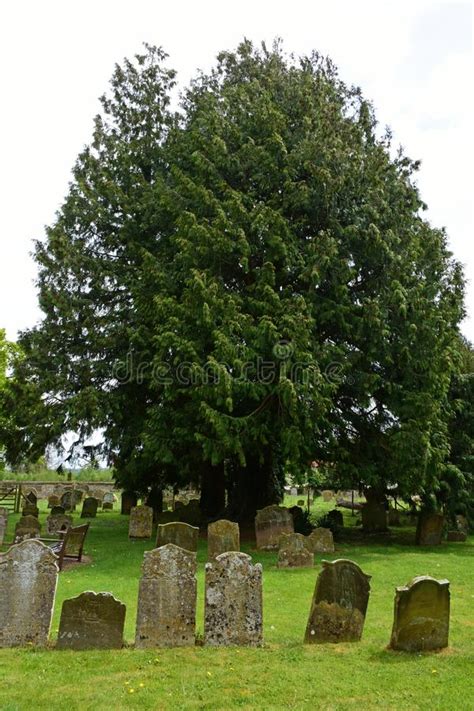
x: 47, y: 488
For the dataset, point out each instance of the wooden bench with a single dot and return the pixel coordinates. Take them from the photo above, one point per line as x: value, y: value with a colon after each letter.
x: 70, y: 545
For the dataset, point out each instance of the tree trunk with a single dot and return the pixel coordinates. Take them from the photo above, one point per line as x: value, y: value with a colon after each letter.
x: 253, y: 487
x: 155, y: 500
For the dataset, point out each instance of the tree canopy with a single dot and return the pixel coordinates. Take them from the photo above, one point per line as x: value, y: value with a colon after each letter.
x: 246, y: 284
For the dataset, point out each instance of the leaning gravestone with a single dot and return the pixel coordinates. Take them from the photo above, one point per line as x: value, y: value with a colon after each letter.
x: 293, y: 552
x: 57, y: 523
x: 270, y: 523
x: 27, y: 527
x: 3, y: 523
x: 32, y: 496
x: 89, y: 507
x: 91, y: 621
x: 320, y: 541
x: 141, y: 522
x: 129, y: 499
x: 339, y: 603
x: 233, y: 601
x: 421, y: 615
x: 222, y: 536
x: 181, y: 534
x: 429, y: 530
x: 166, y: 614
x: 374, y: 517
x: 28, y: 577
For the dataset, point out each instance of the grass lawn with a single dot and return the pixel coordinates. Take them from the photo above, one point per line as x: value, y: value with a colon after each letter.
x: 285, y: 673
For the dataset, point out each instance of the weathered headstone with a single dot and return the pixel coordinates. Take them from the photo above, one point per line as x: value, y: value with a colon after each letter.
x: 67, y: 500
x: 77, y: 496
x: 166, y: 614
x: 89, y: 507
x: 293, y: 491
x: 56, y: 523
x: 179, y: 533
x: 3, y: 523
x: 91, y: 621
x: 27, y: 527
x: 374, y: 517
x: 456, y: 536
x: 109, y: 498
x: 293, y: 552
x: 336, y: 517
x: 339, y: 603
x: 141, y: 522
x: 233, y: 601
x: 32, y: 496
x: 57, y: 510
x: 429, y: 530
x: 270, y: 523
x: 421, y: 615
x: 129, y: 499
x: 53, y: 500
x: 320, y: 541
x: 327, y: 495
x: 222, y: 536
x: 28, y: 577
x: 30, y: 509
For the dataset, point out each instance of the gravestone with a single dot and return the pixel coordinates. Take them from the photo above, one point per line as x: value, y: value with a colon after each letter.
x: 89, y: 507
x: 91, y: 621
x: 32, y: 496
x: 462, y: 523
x: 297, y: 515
x: 293, y: 491
x: 107, y: 506
x: 293, y: 552
x: 339, y: 603
x: 57, y: 510
x: 374, y: 517
x: 53, y: 500
x: 141, y: 522
x: 327, y: 495
x: 166, y: 614
x: 27, y: 527
x: 233, y: 601
x: 181, y: 534
x: 28, y: 577
x: 421, y: 615
x: 3, y: 523
x: 67, y: 500
x: 429, y: 530
x: 270, y: 523
x: 129, y: 499
x: 56, y: 523
x: 222, y: 536
x: 320, y: 541
x: 457, y: 536
x: 335, y: 517
x: 77, y: 496
x: 30, y: 509
x: 109, y: 498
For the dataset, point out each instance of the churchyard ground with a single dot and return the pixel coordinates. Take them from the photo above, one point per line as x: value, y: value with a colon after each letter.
x: 285, y: 673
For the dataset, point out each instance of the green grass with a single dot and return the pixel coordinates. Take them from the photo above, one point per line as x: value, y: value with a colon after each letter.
x: 285, y: 673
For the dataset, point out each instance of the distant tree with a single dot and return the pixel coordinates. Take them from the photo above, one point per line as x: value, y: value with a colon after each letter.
x: 235, y: 290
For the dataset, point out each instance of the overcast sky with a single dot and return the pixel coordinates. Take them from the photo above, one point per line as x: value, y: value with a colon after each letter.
x: 412, y: 59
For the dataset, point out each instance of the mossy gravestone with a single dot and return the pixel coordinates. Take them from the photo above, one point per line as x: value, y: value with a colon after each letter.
x: 421, y: 615
x: 233, y: 601
x: 293, y: 552
x: 339, y: 603
x: 429, y: 530
x: 61, y: 522
x: 141, y: 522
x: 28, y: 578
x: 91, y: 621
x: 181, y: 534
x: 166, y: 614
x: 53, y: 500
x: 89, y: 507
x: 27, y: 527
x: 270, y: 523
x: 320, y: 541
x: 222, y: 536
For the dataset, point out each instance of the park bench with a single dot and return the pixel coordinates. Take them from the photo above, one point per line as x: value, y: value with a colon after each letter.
x: 69, y: 545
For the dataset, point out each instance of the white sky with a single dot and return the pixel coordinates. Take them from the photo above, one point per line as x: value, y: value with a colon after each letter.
x: 412, y: 58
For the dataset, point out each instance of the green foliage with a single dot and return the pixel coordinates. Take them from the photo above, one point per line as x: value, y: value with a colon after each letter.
x: 265, y: 228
